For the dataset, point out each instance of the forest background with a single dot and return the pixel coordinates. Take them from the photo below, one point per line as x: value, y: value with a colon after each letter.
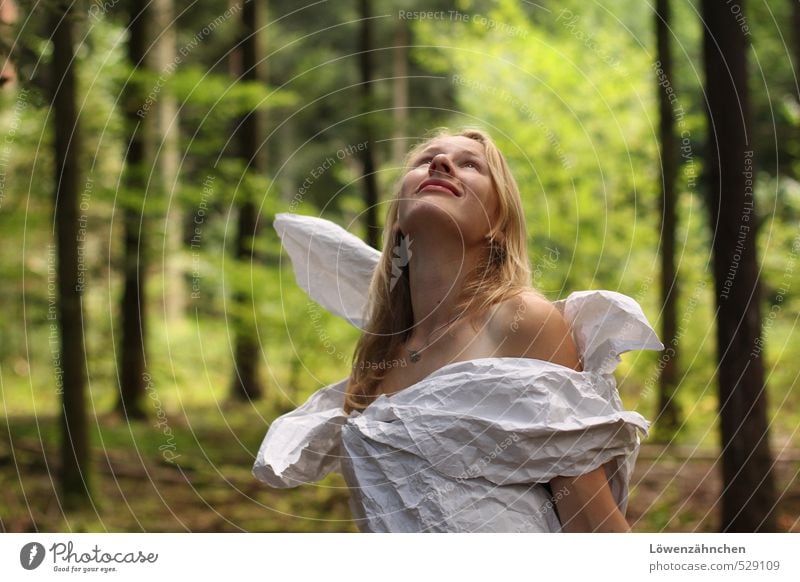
x: 152, y: 327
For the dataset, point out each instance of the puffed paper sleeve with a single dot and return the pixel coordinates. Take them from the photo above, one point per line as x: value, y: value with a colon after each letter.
x: 304, y: 445
x: 331, y: 265
x: 606, y: 324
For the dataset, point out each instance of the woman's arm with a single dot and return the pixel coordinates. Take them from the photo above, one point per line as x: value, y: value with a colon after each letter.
x: 585, y: 504
x: 528, y: 326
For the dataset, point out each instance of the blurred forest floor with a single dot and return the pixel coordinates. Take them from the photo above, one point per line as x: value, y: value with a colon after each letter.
x: 209, y: 487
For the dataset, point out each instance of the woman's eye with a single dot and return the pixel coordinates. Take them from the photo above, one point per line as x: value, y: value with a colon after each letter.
x: 471, y: 164
x: 424, y: 161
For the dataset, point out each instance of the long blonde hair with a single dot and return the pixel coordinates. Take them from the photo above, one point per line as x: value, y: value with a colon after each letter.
x: 502, y: 272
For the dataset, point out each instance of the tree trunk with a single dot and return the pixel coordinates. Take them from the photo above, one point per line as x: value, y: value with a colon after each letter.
x: 247, y: 383
x: 668, y: 419
x: 174, y: 298
x: 133, y: 352
x: 748, y: 497
x: 286, y: 145
x: 400, y: 91
x: 796, y: 33
x: 75, y: 482
x: 368, y: 155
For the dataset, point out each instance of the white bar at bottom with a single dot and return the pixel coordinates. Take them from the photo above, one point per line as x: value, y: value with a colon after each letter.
x: 389, y: 557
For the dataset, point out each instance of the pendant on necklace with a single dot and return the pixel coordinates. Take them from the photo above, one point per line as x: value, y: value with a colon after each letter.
x: 415, y: 356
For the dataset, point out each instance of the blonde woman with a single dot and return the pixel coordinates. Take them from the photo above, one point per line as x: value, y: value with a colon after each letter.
x: 475, y: 404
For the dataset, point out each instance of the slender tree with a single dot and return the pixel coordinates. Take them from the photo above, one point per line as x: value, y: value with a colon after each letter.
x: 168, y: 161
x: 133, y: 349
x: 75, y: 482
x: 367, y: 106
x: 748, y: 497
x: 247, y: 384
x: 668, y: 414
x: 796, y: 39
x: 402, y: 33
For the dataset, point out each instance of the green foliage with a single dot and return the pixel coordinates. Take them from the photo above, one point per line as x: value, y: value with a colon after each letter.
x: 581, y: 146
x: 198, y: 88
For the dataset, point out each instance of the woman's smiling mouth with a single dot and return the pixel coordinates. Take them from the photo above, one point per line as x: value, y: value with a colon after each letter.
x: 439, y: 185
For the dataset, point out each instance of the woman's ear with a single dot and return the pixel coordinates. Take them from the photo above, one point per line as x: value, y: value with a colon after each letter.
x: 498, y: 236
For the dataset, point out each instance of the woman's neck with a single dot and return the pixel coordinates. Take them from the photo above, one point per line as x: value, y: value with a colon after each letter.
x: 437, y: 273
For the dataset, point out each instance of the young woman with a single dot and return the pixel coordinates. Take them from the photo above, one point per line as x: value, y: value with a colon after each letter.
x: 474, y: 403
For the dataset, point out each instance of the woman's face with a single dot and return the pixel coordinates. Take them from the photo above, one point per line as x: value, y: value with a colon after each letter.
x: 448, y: 190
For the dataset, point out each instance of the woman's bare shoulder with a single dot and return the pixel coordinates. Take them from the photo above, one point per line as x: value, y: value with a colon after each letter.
x: 530, y: 325
x: 515, y: 307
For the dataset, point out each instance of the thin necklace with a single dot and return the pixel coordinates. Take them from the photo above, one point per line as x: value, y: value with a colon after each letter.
x: 416, y: 355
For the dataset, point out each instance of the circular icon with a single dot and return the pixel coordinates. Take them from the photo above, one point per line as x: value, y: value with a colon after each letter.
x: 31, y: 555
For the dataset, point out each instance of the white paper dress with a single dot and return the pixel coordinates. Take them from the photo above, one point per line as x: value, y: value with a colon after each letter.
x: 471, y: 447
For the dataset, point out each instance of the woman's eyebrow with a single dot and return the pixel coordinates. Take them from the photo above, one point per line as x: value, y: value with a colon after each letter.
x: 435, y: 149
x: 429, y: 150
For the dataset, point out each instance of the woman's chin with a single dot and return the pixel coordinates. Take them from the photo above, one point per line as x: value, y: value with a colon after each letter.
x: 431, y: 210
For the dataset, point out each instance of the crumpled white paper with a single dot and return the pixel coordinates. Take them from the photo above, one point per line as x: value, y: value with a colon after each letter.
x: 333, y: 266
x: 469, y: 447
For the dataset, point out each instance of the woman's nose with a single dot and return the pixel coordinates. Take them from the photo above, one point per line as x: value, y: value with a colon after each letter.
x: 440, y: 163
